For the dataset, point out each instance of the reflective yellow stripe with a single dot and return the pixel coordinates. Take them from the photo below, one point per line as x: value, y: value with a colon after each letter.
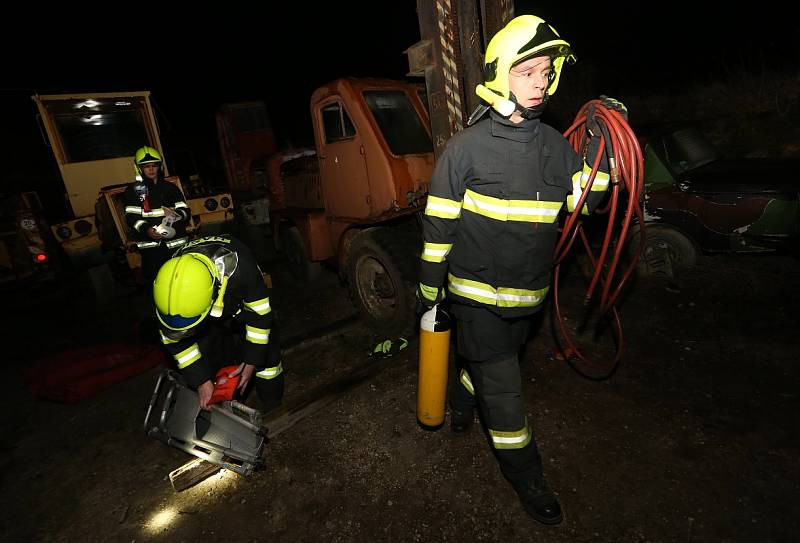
x: 270, y: 373
x: 175, y: 242
x: 139, y: 223
x: 430, y: 293
x: 466, y: 381
x: 187, y: 356
x: 136, y: 210
x: 511, y: 440
x: 511, y: 210
x: 571, y: 201
x: 165, y: 340
x: 180, y: 204
x: 259, y: 306
x: 257, y: 335
x: 436, y: 252
x: 501, y: 296
x: 147, y: 244
x: 159, y: 212
x: 600, y: 180
x: 442, y: 207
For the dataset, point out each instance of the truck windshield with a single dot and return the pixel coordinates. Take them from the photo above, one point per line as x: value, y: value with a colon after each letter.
x: 99, y: 129
x: 399, y: 122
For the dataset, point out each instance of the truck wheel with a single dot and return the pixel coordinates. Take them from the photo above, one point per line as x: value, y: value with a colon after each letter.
x: 381, y: 276
x: 293, y: 248
x: 666, y: 252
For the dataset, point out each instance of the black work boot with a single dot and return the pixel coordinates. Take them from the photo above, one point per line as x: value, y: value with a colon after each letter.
x: 461, y: 419
x: 539, y: 501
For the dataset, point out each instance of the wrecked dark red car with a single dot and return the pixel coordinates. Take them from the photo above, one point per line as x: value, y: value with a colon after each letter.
x: 698, y: 201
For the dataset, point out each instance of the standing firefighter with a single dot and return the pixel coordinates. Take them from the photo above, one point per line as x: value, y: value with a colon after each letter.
x: 490, y: 227
x: 156, y: 211
x: 213, y: 308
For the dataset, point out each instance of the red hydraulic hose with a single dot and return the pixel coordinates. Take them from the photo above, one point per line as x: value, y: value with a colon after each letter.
x: 626, y: 185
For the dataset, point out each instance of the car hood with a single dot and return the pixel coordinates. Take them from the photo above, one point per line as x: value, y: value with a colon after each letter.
x: 751, y: 176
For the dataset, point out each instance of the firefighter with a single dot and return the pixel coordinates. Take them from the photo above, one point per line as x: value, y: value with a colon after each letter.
x: 213, y: 309
x: 489, y: 229
x: 156, y: 211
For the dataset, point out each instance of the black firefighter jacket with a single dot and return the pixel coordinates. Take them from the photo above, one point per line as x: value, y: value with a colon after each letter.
x: 491, y: 219
x: 246, y: 308
x: 144, y: 207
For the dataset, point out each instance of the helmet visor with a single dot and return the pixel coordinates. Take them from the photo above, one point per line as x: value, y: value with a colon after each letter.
x: 178, y: 322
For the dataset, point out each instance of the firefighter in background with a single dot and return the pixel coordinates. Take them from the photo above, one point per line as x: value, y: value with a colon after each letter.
x: 214, y: 311
x: 156, y: 211
x: 489, y: 228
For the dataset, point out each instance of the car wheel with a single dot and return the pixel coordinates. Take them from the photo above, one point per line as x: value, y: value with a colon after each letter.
x: 380, y: 273
x: 666, y: 252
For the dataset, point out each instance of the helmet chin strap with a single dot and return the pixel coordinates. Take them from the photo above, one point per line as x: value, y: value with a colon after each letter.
x: 530, y: 112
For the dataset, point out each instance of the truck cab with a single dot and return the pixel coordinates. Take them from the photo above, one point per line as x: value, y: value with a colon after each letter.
x: 93, y: 138
x: 355, y: 202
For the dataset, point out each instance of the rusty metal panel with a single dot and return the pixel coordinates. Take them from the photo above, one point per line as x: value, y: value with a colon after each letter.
x: 457, y: 32
x: 361, y: 177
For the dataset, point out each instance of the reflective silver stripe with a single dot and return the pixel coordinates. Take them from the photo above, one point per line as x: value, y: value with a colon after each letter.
x: 571, y: 201
x: 442, y: 207
x: 601, y: 179
x: 466, y: 381
x: 159, y: 212
x: 175, y: 242
x: 165, y: 340
x: 511, y: 440
x: 436, y: 252
x: 136, y: 210
x: 187, y: 356
x: 270, y: 373
x: 181, y: 204
x: 501, y: 296
x: 259, y: 306
x: 147, y: 244
x: 511, y: 210
x: 139, y: 223
x: 257, y: 335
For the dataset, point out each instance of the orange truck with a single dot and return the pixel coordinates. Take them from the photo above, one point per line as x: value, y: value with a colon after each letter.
x: 355, y: 199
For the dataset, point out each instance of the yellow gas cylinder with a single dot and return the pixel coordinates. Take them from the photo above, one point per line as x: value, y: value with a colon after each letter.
x: 434, y: 355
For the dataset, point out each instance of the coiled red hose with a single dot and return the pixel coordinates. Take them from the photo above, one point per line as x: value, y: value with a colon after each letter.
x: 626, y: 185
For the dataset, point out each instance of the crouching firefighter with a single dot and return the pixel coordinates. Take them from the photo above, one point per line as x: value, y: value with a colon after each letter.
x: 490, y: 226
x: 213, y: 308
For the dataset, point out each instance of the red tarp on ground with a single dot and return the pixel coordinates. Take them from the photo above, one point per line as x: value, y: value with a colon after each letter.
x: 75, y: 374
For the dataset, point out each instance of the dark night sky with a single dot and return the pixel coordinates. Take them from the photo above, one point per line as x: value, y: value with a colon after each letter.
x: 224, y: 57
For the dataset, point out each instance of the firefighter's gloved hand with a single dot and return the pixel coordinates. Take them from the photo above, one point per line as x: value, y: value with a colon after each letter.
x: 427, y: 297
x: 608, y: 103
x: 204, y: 393
x: 171, y: 214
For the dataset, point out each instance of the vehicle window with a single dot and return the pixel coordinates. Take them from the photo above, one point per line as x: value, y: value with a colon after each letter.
x: 423, y: 96
x: 399, y: 122
x: 336, y: 123
x: 688, y: 149
x: 99, y: 129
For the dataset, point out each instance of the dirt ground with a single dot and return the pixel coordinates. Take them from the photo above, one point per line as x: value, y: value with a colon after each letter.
x: 694, y: 438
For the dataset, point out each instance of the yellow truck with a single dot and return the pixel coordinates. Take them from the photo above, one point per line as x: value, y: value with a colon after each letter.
x: 93, y: 138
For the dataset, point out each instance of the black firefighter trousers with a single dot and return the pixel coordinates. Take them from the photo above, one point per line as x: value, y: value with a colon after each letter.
x: 489, y: 348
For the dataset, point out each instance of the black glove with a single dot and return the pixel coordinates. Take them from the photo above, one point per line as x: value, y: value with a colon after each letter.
x: 427, y: 297
x: 608, y: 103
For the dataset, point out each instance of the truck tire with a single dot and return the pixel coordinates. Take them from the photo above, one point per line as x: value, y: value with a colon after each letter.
x: 666, y: 253
x: 300, y: 266
x: 382, y: 280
